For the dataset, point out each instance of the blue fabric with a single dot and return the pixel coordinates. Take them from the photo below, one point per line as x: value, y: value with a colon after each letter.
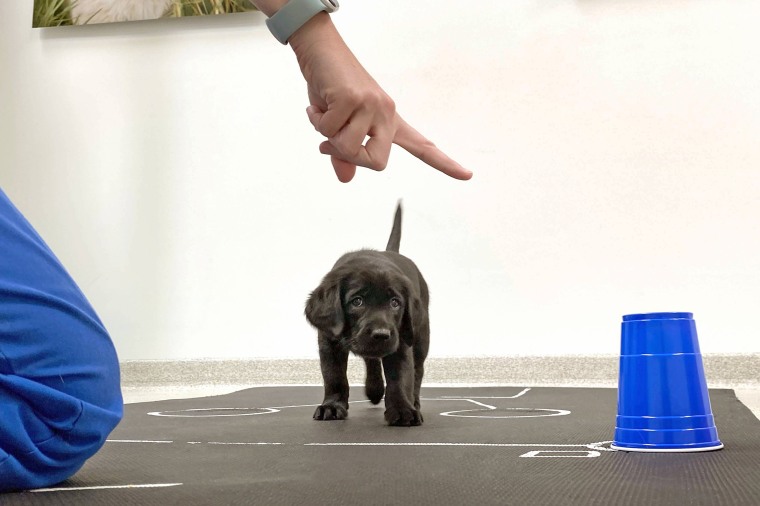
x: 59, y: 373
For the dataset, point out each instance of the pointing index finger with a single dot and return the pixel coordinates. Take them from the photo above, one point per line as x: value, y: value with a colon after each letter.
x: 421, y: 147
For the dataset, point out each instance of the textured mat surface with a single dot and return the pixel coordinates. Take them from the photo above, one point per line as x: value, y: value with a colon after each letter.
x: 480, y: 445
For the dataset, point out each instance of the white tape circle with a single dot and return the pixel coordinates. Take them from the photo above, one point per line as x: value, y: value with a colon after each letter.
x: 214, y: 412
x: 511, y: 413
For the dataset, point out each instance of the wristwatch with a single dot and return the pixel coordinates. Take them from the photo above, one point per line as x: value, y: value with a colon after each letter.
x: 294, y: 14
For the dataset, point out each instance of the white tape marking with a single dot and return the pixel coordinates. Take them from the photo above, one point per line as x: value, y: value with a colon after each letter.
x: 505, y: 445
x: 262, y: 411
x: 104, y: 487
x: 523, y: 392
x: 600, y: 446
x: 175, y: 415
x: 550, y: 412
x: 537, y: 454
x: 479, y: 404
x: 241, y: 444
x: 137, y: 441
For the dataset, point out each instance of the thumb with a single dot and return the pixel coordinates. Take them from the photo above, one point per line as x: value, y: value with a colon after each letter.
x: 344, y: 170
x: 315, y: 115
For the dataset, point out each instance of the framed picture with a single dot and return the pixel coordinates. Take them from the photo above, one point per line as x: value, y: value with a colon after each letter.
x: 83, y: 12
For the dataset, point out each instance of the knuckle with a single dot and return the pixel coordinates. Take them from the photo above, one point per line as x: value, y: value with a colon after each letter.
x: 382, y: 103
x: 381, y: 164
x: 352, y: 96
x: 328, y: 129
x: 427, y: 151
x: 346, y: 148
x: 388, y: 104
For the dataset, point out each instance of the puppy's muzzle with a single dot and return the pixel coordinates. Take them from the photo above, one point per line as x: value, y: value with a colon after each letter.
x: 381, y: 335
x: 374, y: 342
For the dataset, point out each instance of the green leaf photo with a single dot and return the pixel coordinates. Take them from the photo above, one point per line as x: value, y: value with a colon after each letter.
x: 49, y: 13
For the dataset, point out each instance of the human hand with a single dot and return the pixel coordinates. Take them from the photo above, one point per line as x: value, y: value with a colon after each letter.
x: 348, y: 106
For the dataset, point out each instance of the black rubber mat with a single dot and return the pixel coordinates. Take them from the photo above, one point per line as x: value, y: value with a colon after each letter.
x: 478, y: 446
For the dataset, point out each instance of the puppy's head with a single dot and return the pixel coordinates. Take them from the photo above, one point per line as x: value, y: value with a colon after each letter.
x: 370, y: 310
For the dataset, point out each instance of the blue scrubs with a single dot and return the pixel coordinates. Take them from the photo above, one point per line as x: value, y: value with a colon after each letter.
x: 59, y: 374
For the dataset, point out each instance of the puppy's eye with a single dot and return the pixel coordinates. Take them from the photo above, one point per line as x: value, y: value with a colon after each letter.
x: 395, y: 303
x: 357, y: 302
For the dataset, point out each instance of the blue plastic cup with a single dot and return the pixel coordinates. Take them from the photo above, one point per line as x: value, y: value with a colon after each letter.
x: 663, y: 404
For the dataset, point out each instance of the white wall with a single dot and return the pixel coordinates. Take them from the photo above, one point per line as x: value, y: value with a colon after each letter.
x: 616, y: 150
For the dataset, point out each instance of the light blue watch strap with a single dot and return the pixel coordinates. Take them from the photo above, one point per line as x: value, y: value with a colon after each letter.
x: 294, y: 14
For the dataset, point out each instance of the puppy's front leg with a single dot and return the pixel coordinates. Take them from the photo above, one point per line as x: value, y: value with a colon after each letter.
x: 333, y: 360
x: 399, y: 392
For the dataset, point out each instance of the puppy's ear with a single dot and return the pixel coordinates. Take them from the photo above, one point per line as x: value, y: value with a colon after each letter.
x: 324, y: 308
x: 413, y: 319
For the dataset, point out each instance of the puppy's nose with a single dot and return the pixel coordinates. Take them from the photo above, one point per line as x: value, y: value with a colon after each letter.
x: 381, y: 334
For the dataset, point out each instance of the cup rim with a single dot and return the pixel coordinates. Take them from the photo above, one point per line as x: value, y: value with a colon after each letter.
x: 712, y: 446
x: 680, y: 315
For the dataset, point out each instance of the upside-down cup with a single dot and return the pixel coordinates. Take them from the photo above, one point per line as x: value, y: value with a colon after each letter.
x: 663, y: 404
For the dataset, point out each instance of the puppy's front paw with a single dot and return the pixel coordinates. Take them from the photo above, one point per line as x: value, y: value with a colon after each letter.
x: 404, y: 416
x: 374, y: 391
x: 331, y: 411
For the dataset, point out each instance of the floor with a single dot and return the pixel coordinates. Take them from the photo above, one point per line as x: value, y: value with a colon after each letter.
x: 198, y: 440
x: 476, y: 446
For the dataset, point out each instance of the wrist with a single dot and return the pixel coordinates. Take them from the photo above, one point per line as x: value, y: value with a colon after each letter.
x: 293, y: 15
x: 269, y: 7
x: 318, y: 30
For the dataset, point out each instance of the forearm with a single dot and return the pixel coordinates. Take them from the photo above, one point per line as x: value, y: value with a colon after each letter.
x: 269, y: 7
x: 318, y: 29
x: 347, y: 105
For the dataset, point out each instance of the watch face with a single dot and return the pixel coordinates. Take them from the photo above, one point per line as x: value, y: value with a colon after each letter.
x: 330, y: 5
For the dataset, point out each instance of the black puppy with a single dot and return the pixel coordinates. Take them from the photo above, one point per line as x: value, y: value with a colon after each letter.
x: 374, y: 304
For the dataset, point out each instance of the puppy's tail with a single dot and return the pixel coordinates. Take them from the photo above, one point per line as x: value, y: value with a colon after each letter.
x: 394, y: 241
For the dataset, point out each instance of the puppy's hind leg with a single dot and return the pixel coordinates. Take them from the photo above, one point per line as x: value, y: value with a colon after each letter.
x: 374, y: 386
